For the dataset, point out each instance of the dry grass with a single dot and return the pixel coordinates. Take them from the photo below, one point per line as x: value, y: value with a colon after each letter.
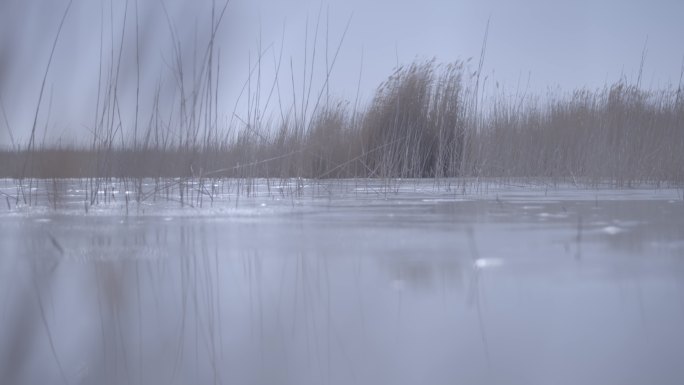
x: 427, y: 120
x: 419, y: 124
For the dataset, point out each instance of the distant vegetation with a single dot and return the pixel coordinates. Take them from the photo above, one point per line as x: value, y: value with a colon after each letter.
x: 422, y: 123
x: 427, y: 120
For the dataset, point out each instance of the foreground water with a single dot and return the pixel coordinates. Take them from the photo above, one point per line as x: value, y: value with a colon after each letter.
x: 343, y: 282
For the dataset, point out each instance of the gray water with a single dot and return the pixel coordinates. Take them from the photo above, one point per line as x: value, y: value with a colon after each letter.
x: 344, y: 282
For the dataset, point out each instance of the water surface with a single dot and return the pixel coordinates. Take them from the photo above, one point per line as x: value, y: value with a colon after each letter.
x: 343, y: 282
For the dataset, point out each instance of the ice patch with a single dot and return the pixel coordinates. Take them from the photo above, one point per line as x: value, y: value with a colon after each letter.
x: 626, y: 223
x: 612, y: 230
x: 550, y: 215
x: 487, y: 263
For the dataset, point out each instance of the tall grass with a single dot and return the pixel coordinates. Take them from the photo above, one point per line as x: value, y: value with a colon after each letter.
x: 415, y: 127
x: 427, y: 120
x: 619, y: 134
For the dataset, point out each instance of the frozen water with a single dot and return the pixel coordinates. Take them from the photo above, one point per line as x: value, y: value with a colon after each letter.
x: 338, y: 282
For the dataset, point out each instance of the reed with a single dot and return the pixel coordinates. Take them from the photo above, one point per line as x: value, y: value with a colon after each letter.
x: 427, y: 120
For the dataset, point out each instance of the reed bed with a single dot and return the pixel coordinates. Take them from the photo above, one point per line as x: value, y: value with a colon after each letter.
x: 420, y: 124
x: 427, y: 120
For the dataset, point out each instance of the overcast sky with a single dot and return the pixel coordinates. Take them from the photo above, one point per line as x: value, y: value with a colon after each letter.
x: 532, y: 44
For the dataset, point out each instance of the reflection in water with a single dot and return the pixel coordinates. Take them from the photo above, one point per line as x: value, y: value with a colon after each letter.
x: 437, y: 292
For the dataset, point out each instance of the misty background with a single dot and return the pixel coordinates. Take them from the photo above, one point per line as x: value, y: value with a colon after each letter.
x: 533, y: 48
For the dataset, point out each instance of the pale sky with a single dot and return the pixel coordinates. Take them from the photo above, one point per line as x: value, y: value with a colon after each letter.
x: 533, y: 45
